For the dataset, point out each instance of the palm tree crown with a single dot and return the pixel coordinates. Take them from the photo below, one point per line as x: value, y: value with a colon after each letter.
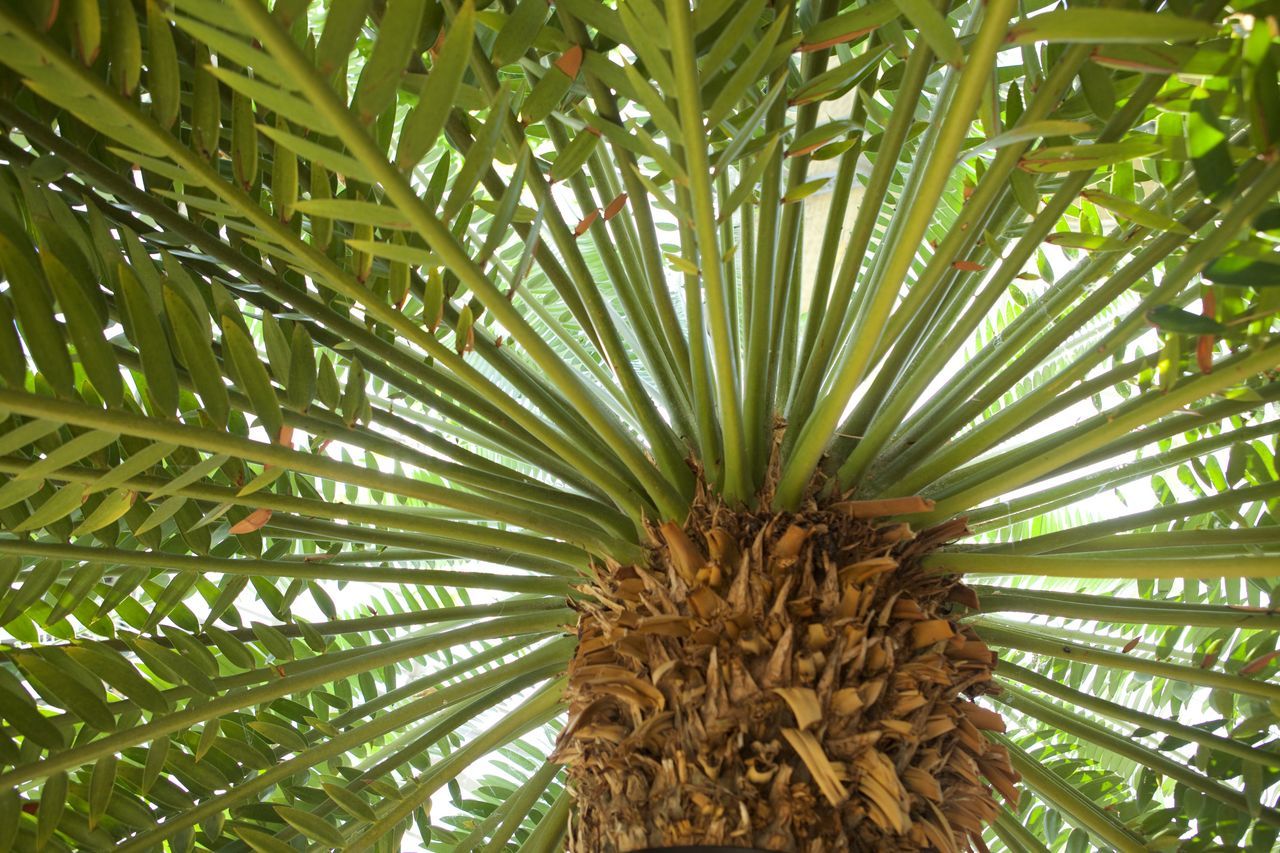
x: 390, y: 389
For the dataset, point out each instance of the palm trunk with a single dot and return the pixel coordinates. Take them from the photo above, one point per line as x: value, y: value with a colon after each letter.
x: 797, y: 685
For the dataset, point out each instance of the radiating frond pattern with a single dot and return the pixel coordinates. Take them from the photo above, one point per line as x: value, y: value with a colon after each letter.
x: 358, y: 359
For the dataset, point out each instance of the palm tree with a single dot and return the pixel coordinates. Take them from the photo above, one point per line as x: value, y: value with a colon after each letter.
x: 580, y: 416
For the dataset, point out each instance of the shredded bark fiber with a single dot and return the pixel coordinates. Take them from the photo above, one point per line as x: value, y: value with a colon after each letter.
x: 787, y: 682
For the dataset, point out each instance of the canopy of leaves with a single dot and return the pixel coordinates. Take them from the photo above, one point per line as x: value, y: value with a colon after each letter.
x: 452, y: 297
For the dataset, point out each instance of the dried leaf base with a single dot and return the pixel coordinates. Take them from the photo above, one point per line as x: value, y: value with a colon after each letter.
x: 782, y: 682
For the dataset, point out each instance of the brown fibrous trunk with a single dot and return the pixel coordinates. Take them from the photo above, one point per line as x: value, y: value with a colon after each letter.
x: 785, y: 682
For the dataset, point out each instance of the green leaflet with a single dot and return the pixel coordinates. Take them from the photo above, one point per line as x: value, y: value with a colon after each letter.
x: 208, y: 737
x: 546, y: 95
x: 1099, y: 92
x: 751, y: 174
x: 934, y: 29
x: 1088, y: 242
x: 39, y: 579
x: 479, y: 156
x: 277, y: 346
x: 1028, y: 132
x: 1174, y: 319
x: 594, y: 14
x: 432, y: 312
x: 1242, y: 271
x: 110, y: 509
x: 360, y: 212
x: 150, y: 339
x: 745, y: 75
x: 1074, y: 158
x: 279, y: 734
x: 196, y: 351
x: 301, y: 384
x: 710, y: 12
x: 58, y: 505
x: 18, y: 490
x: 311, y: 825
x: 40, y: 332
x: 69, y: 452
x: 102, y: 783
x: 238, y: 49
x: 192, y: 649
x: 398, y: 281
x: 62, y: 233
x: 261, y: 842
x: 638, y: 142
x: 53, y: 802
x: 328, y: 391
x: 321, y: 226
x: 154, y: 762
x: 649, y: 39
x: 193, y: 474
x: 500, y: 224
x: 1261, y: 88
x: 278, y: 100
x: 850, y: 25
x: 734, y: 34
x: 232, y: 649
x: 573, y: 156
x: 464, y: 333
x: 1207, y: 145
x: 137, y: 463
x: 18, y: 710
x: 13, y: 362
x: 166, y: 601
x: 422, y: 126
x: 683, y: 265
x: 288, y: 11
x: 116, y: 671
x: 85, y: 330
x: 228, y: 591
x: 394, y: 251
x: 341, y: 28
x: 1108, y: 26
x: 805, y: 190
x: 519, y: 31
x: 252, y: 377
x: 807, y: 143
x: 163, y: 81
x: 206, y: 104
x: 86, y: 28
x: 260, y: 482
x: 350, y: 802
x: 1135, y: 212
x: 380, y: 78
x: 835, y: 82
x: 171, y: 666
x: 362, y: 262
x: 633, y: 85
x: 77, y: 591
x: 1169, y: 126
x: 67, y: 692
x: 273, y: 641
x: 1164, y: 59
x: 10, y: 818
x: 124, y: 46
x: 244, y: 141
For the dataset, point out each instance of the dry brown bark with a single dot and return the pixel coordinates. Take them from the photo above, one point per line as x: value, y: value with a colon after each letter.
x: 788, y: 682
